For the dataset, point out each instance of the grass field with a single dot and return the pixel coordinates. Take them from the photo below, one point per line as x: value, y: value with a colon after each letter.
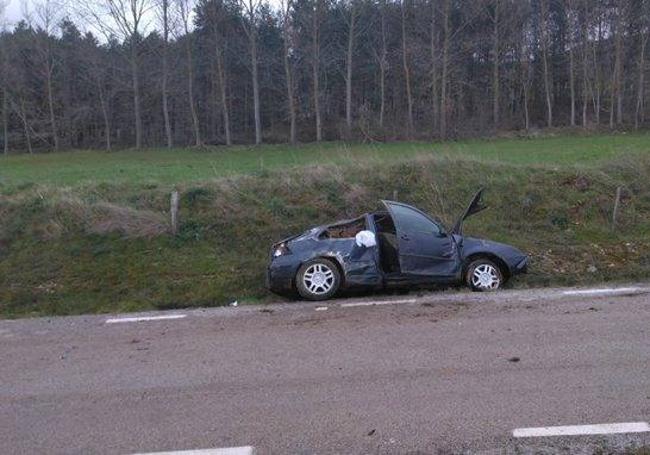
x: 89, y: 231
x: 191, y: 165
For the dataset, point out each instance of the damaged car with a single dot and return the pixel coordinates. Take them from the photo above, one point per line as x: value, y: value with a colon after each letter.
x: 398, y: 246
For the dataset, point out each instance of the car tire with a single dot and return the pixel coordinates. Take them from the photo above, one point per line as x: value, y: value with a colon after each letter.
x: 318, y: 279
x: 483, y: 275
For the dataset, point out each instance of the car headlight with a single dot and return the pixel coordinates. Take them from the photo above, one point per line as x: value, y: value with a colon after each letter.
x: 281, y: 250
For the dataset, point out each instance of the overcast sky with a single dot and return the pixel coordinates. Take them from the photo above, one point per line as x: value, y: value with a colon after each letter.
x: 12, y: 14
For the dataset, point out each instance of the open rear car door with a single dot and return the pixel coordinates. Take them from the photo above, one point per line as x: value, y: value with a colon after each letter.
x: 424, y: 247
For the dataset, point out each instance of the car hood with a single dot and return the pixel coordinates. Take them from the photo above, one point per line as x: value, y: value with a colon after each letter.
x: 500, y: 249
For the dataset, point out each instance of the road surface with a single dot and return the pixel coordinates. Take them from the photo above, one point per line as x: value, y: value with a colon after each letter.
x: 434, y: 373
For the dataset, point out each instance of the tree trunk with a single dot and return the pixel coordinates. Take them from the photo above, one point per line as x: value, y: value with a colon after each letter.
x: 407, y: 75
x: 619, y: 66
x: 165, y: 75
x: 495, y: 67
x: 316, y: 69
x: 190, y: 91
x: 50, y: 102
x: 612, y: 98
x: 596, y: 92
x: 585, y: 80
x: 104, y: 107
x: 23, y: 116
x: 547, y: 84
x: 382, y: 67
x: 289, y: 79
x: 572, y: 87
x: 5, y: 121
x: 136, y: 93
x: 445, y: 64
x: 252, y: 35
x: 638, y: 114
x: 572, y: 90
x: 434, y: 70
x: 348, y: 79
x: 221, y: 70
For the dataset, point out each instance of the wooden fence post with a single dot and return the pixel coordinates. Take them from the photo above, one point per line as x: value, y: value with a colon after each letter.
x: 174, y: 212
x: 617, y: 203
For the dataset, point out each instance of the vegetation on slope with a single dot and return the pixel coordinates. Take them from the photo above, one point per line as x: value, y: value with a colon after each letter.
x: 106, y: 246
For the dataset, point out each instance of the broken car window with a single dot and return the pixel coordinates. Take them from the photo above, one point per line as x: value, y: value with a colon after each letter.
x: 414, y: 221
x: 345, y: 230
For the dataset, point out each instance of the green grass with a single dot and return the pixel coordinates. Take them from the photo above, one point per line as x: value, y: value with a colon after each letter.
x: 78, y: 236
x: 162, y: 166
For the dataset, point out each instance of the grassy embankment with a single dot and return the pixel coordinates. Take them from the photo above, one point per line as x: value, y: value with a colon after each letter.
x: 88, y: 231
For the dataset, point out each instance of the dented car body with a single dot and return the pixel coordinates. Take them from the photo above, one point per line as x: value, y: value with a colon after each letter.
x: 411, y: 249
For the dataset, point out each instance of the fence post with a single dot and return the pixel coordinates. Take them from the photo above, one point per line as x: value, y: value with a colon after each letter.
x: 395, y: 195
x: 617, y: 203
x: 174, y: 212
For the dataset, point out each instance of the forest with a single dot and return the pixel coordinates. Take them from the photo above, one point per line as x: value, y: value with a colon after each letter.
x: 115, y: 74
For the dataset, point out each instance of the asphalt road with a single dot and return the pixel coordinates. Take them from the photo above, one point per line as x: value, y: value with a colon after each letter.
x: 436, y: 373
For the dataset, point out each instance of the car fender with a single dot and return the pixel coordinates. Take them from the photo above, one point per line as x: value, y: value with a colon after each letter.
x: 505, y: 256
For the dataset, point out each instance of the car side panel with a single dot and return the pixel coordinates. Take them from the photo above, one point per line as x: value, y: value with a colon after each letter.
x: 358, y: 264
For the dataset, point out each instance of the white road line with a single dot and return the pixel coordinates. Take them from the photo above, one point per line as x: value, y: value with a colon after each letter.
x: 601, y: 291
x: 381, y: 302
x: 576, y: 430
x: 246, y: 450
x: 321, y: 308
x: 146, y: 318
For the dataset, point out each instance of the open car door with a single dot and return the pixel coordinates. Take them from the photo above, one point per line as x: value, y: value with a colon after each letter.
x: 475, y: 206
x: 424, y: 247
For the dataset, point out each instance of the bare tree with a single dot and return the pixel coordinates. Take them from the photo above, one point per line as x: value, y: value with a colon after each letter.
x: 164, y: 13
x: 445, y: 68
x: 47, y: 15
x: 287, y: 37
x: 381, y: 56
x: 570, y: 17
x: 250, y: 27
x: 315, y: 58
x: 184, y: 9
x: 4, y: 81
x: 433, y: 47
x: 616, y: 90
x: 596, y: 52
x: 544, y: 32
x: 643, y: 38
x: 125, y: 19
x: 217, y: 29
x: 496, y: 23
x: 407, y: 72
x: 351, y: 22
x: 584, y: 19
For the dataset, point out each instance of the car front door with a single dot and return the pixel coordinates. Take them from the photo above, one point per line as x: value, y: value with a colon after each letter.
x: 424, y: 247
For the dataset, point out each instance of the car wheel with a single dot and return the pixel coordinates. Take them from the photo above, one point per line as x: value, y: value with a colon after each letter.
x: 318, y: 279
x: 484, y: 275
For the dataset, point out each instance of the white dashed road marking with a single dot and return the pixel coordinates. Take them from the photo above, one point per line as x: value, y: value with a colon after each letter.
x: 604, y: 291
x: 381, y: 302
x: 246, y: 450
x: 577, y: 430
x: 146, y: 318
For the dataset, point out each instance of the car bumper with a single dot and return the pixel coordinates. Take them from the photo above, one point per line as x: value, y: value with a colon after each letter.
x: 521, y: 266
x: 279, y: 278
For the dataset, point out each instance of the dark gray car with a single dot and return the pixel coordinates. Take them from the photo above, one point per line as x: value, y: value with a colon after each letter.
x: 397, y: 247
